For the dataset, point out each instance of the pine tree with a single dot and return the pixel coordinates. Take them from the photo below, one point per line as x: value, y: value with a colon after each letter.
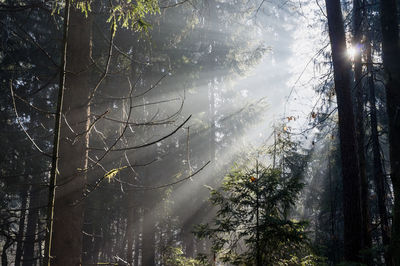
x: 252, y: 226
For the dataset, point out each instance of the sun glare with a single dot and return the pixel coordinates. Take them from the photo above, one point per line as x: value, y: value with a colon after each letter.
x: 351, y: 52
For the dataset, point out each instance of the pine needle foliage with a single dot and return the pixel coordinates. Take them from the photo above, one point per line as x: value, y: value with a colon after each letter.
x: 238, y: 234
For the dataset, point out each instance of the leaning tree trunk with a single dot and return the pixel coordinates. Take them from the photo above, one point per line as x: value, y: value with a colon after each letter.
x: 350, y: 165
x: 66, y: 244
x: 391, y: 59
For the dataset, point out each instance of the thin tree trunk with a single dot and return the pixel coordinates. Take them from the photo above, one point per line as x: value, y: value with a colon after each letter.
x: 148, y: 226
x: 130, y: 228
x: 333, y: 204
x: 68, y: 210
x: 148, y: 241
x: 21, y: 228
x: 212, y: 121
x: 56, y: 141
x: 136, y: 240
x: 348, y: 147
x: 379, y: 177
x: 129, y: 236
x: 391, y: 59
x: 29, y: 245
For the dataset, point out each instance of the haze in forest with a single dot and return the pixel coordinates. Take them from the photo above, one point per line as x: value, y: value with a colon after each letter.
x: 199, y: 132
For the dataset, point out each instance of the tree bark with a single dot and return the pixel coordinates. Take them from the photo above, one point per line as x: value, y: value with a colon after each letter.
x: 359, y: 97
x: 68, y: 211
x: 148, y: 241
x: 379, y: 177
x: 149, y: 223
x: 391, y: 59
x: 21, y: 228
x: 29, y: 245
x: 129, y: 237
x: 348, y: 146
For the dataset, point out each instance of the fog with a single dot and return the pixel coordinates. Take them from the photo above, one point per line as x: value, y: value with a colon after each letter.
x: 121, y: 119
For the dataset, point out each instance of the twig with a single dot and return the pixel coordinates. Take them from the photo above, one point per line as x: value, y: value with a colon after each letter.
x: 22, y: 126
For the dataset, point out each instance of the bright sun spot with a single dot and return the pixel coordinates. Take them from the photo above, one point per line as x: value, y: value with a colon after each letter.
x: 351, y: 52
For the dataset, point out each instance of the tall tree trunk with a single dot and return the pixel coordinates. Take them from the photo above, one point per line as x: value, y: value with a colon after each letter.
x: 348, y: 147
x: 212, y: 121
x: 21, y: 228
x: 379, y: 177
x: 391, y: 59
x: 148, y: 226
x: 130, y: 234
x: 29, y: 245
x: 136, y: 239
x: 68, y: 212
x: 333, y: 215
x: 359, y: 96
x: 148, y: 241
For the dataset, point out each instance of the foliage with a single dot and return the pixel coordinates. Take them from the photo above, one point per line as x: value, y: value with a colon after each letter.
x: 130, y: 14
x: 237, y: 232
x: 125, y: 13
x: 173, y: 256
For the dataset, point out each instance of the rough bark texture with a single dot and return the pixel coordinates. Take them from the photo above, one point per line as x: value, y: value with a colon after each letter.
x: 68, y: 215
x: 348, y: 147
x: 391, y: 59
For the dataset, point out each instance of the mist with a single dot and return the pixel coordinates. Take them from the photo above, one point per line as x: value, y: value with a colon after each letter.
x: 199, y: 132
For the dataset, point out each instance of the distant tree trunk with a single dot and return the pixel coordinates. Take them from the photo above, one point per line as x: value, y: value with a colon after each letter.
x: 333, y: 215
x: 212, y: 121
x: 136, y: 239
x: 29, y: 245
x: 4, y: 258
x: 359, y: 96
x: 68, y: 213
x: 391, y: 59
x: 21, y: 228
x: 379, y: 176
x: 148, y: 226
x: 189, y: 243
x: 348, y: 147
x: 130, y: 232
x: 148, y: 241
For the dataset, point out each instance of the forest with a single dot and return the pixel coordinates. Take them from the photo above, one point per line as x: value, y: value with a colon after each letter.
x: 199, y: 132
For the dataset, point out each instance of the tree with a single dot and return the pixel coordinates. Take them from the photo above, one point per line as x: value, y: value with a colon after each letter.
x: 251, y: 226
x: 353, y: 235
x: 70, y: 149
x: 391, y: 58
x: 379, y: 176
x: 359, y: 116
x: 72, y: 124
